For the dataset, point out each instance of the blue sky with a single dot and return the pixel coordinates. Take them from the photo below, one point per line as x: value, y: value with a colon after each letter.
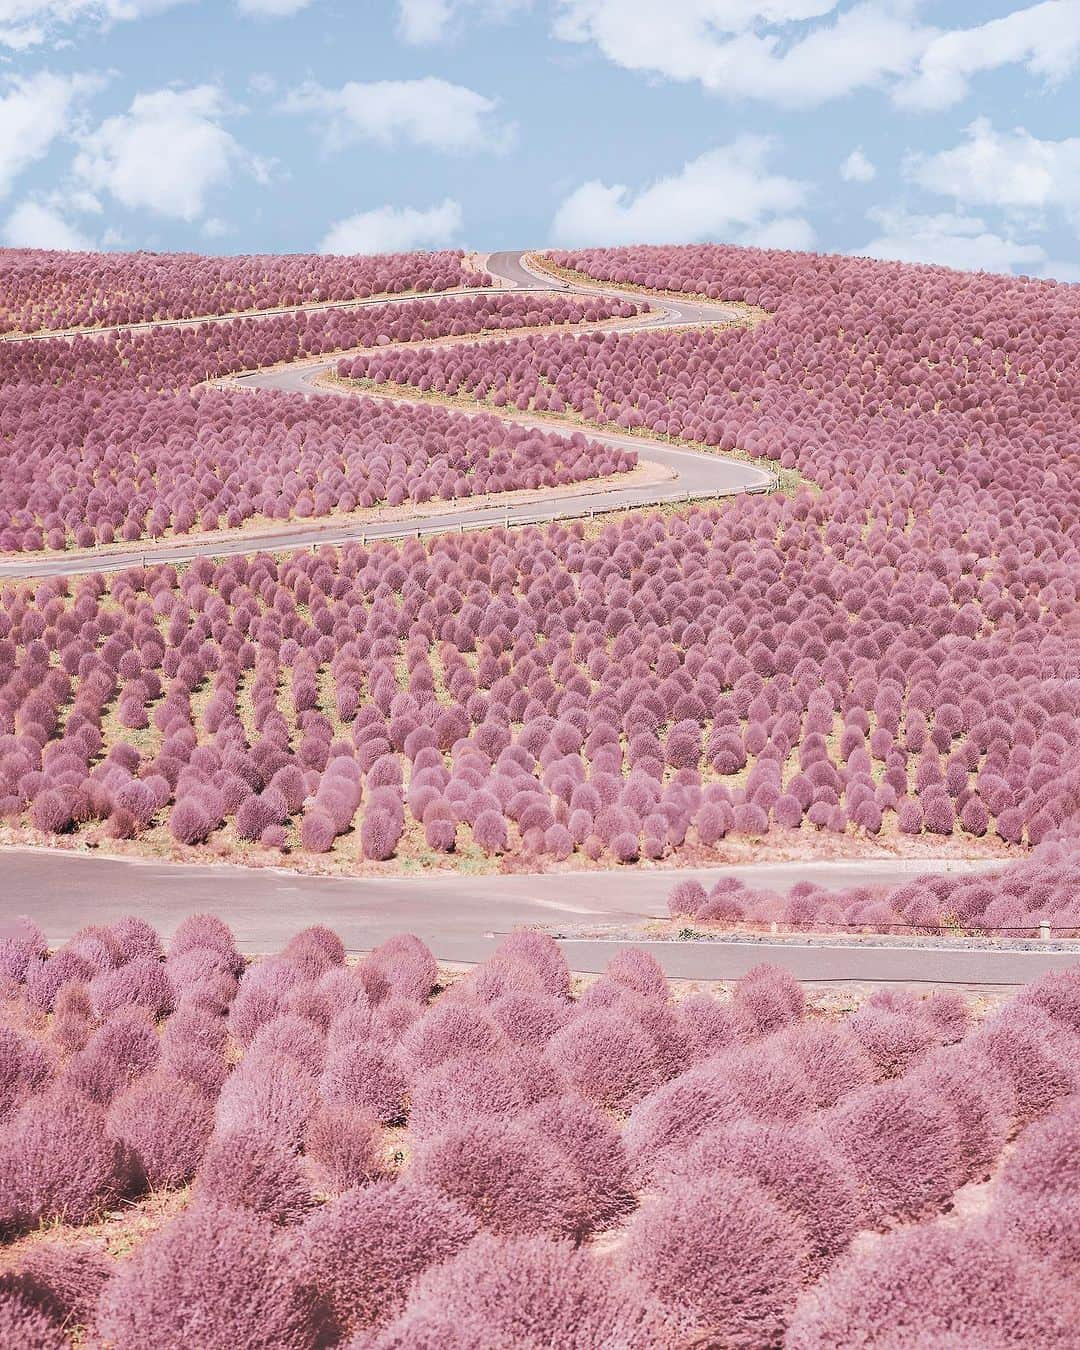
x: 945, y: 132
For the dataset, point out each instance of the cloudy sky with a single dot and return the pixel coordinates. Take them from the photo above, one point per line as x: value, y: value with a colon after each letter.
x: 938, y: 130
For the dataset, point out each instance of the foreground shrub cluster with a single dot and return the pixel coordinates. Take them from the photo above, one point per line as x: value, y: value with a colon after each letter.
x: 44, y: 290
x: 1042, y: 889
x: 359, y: 1158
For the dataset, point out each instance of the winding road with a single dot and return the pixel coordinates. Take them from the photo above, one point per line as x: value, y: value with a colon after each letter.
x: 688, y: 474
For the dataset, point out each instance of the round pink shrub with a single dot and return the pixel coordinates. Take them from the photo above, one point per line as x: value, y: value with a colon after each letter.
x: 363, y: 1251
x: 467, y: 1088
x: 21, y: 943
x: 680, y: 1111
x: 193, y: 819
x: 980, y: 1101
x: 509, y: 1179
x: 680, y: 1242
x: 58, y: 1162
x: 831, y: 1058
x: 119, y: 1052
x: 209, y: 1277
x: 902, y: 1146
x: 525, y: 1292
x: 932, y: 1285
x: 135, y: 938
x: 489, y: 832
x: 529, y: 1020
x: 402, y: 967
x: 797, y: 1169
x: 343, y: 1145
x: 894, y: 1039
x: 1058, y: 995
x: 768, y: 998
x: 1036, y: 1199
x: 262, y: 994
x: 543, y: 955
x: 73, y: 1016
x: 379, y: 834
x: 687, y: 898
x: 593, y: 1147
x: 26, y: 1319
x: 1021, y: 1044
x: 447, y: 1031
x: 247, y: 1169
x: 206, y: 930
x: 141, y: 983
x: 65, y: 1279
x: 708, y: 1025
x: 24, y: 1069
x: 365, y: 1076
x: 640, y: 972
x: 606, y: 1056
x: 273, y: 1095
x: 315, y: 950
x: 768, y: 1082
x: 163, y: 1122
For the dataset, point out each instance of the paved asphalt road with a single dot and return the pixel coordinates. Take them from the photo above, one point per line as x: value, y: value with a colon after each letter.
x: 461, y: 918
x: 692, y: 473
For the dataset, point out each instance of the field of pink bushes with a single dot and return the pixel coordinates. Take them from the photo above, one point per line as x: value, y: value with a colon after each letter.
x: 546, y: 693
x: 42, y: 290
x: 890, y: 652
x: 102, y: 438
x: 360, y: 1157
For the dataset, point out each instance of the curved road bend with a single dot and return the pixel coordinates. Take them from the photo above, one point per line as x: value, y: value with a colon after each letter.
x: 693, y: 473
x: 461, y: 918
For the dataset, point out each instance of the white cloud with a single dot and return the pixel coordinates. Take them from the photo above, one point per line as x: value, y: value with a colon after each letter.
x: 727, y: 189
x: 424, y: 22
x: 1014, y: 171
x: 271, y: 9
x: 393, y: 229
x: 857, y: 168
x: 1045, y: 38
x: 951, y: 240
x: 775, y: 50
x: 34, y: 111
x: 744, y: 49
x: 166, y: 154
x: 34, y: 225
x: 790, y: 232
x: 429, y: 112
x: 27, y: 23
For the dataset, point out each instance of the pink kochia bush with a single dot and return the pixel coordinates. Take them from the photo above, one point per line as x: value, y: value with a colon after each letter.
x: 348, y: 1153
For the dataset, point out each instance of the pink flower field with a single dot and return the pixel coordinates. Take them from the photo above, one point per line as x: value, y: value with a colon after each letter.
x: 107, y: 439
x: 885, y: 652
x: 305, y: 1151
x: 44, y: 290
